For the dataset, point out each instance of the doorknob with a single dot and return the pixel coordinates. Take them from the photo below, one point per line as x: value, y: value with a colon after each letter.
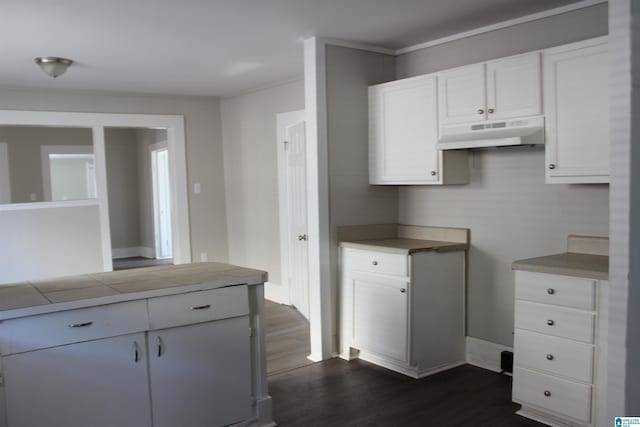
x: 302, y: 237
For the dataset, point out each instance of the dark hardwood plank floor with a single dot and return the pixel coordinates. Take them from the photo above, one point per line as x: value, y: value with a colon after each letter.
x: 287, y: 338
x: 356, y: 393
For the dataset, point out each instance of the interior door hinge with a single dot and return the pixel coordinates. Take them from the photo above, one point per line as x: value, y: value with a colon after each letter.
x: 286, y: 144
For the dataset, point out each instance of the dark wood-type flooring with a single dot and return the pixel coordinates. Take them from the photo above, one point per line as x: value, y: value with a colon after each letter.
x: 287, y: 337
x: 357, y: 393
x: 139, y: 262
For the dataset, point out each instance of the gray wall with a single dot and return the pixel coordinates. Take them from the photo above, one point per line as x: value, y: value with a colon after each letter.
x: 251, y: 174
x: 25, y: 162
x: 511, y: 212
x: 121, y: 151
x: 203, y: 145
x: 352, y: 200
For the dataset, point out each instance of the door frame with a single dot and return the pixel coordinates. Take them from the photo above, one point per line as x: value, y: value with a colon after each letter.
x: 5, y: 174
x: 97, y: 122
x: 282, y: 293
x: 161, y: 145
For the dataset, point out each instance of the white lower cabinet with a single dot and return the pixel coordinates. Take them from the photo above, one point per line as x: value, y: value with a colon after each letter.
x: 100, y: 383
x: 403, y: 312
x: 560, y: 322
x: 194, y: 370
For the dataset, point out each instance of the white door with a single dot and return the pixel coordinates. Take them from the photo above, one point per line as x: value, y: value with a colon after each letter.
x: 161, y: 203
x: 201, y: 374
x: 404, y: 132
x: 100, y: 383
x: 462, y: 95
x: 293, y: 204
x: 514, y: 87
x: 5, y: 181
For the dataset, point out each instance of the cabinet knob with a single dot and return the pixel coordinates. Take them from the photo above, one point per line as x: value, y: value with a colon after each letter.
x: 480, y: 111
x: 551, y: 291
x: 433, y: 173
x: 547, y: 393
x: 491, y: 110
x: 374, y: 262
x: 552, y: 166
x: 403, y: 290
x: 302, y: 237
x: 550, y: 322
x: 549, y: 356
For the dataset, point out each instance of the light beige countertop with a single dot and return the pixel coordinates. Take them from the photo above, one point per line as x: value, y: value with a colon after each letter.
x: 66, y: 293
x: 403, y: 239
x: 586, y: 256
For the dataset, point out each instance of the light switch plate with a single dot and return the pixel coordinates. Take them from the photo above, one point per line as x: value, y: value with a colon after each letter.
x: 196, y: 188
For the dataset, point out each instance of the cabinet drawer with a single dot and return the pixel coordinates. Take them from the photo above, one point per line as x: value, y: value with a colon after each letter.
x: 554, y: 355
x: 558, y: 321
x: 196, y: 307
x: 560, y: 396
x: 553, y: 289
x: 67, y: 327
x: 378, y: 262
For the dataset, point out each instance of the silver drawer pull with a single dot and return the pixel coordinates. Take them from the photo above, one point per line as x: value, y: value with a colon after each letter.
x: 136, y: 352
x: 160, y: 346
x: 403, y: 290
x: 550, y: 357
x: 547, y: 393
x: 375, y: 263
x: 201, y: 307
x: 551, y: 291
x: 80, y: 325
x: 550, y: 322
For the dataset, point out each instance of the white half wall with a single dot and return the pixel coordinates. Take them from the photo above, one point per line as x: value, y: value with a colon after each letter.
x: 44, y: 243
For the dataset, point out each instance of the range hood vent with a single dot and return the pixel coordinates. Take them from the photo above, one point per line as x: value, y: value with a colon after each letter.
x: 503, y: 133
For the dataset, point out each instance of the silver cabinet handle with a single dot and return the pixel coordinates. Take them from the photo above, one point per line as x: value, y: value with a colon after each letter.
x: 201, y: 307
x: 551, y: 291
x: 374, y: 263
x: 302, y: 237
x: 80, y: 325
x: 136, y: 352
x: 547, y: 393
x: 550, y: 322
x: 491, y: 110
x: 552, y: 166
x: 550, y: 357
x: 433, y: 173
x: 160, y: 347
x: 403, y: 290
x: 480, y: 111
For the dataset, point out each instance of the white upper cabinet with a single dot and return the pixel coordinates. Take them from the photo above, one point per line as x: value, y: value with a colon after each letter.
x: 576, y: 92
x: 506, y: 88
x: 403, y: 133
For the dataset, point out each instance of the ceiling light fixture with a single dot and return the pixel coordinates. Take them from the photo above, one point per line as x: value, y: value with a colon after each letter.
x: 53, y: 65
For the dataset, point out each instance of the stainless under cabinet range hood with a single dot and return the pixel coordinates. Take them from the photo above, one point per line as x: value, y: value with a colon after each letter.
x: 502, y: 133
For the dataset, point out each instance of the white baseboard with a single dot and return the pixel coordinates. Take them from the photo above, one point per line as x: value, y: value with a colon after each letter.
x: 484, y: 354
x: 143, y: 251
x: 277, y: 293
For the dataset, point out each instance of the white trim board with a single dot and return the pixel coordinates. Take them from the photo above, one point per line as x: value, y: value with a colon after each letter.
x: 484, y: 354
x: 5, y: 174
x: 134, y: 251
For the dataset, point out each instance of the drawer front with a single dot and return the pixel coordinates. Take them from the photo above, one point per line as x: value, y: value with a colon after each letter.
x: 67, y: 327
x: 560, y: 396
x: 554, y: 355
x: 557, y: 321
x: 196, y: 307
x: 559, y: 290
x: 378, y: 262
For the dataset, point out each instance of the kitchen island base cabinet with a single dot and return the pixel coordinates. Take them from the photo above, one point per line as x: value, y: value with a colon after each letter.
x: 403, y: 312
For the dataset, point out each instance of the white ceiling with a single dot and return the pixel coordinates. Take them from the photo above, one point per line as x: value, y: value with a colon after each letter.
x: 215, y: 47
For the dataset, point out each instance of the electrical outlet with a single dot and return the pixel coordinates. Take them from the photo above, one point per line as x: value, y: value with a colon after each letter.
x: 196, y: 188
x: 33, y: 197
x: 204, y: 257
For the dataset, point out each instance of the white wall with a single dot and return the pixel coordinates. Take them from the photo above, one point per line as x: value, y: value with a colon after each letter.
x: 59, y: 242
x: 203, y: 146
x: 251, y: 174
x: 511, y: 212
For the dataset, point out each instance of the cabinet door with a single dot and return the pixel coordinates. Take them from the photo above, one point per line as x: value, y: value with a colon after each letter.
x: 514, y: 88
x: 577, y: 109
x: 462, y: 95
x: 100, y: 383
x: 380, y: 315
x: 201, y: 374
x: 404, y: 132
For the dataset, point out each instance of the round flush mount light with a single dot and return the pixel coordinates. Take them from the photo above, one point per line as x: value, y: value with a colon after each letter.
x: 53, y: 65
